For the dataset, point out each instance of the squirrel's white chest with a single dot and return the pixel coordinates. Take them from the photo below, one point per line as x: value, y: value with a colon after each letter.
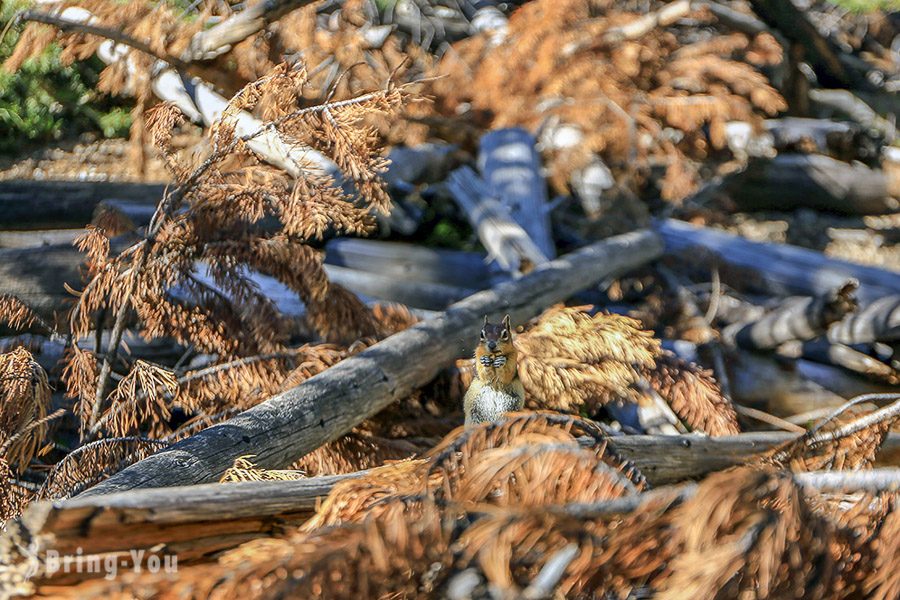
x: 491, y: 403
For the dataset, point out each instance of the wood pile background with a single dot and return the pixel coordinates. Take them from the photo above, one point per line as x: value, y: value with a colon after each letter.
x: 243, y: 341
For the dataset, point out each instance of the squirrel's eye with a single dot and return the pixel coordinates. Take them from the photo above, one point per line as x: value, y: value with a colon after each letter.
x: 504, y: 335
x: 482, y: 335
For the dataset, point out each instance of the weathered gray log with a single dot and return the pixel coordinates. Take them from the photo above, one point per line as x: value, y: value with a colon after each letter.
x: 772, y: 268
x: 816, y: 181
x: 328, y: 405
x: 410, y: 262
x: 418, y: 294
x: 28, y: 203
x: 48, y: 353
x: 36, y: 276
x: 37, y: 238
x: 511, y: 169
x: 216, y: 40
x: 193, y: 522
x: 665, y: 459
x: 795, y: 319
x: 846, y: 103
x: 839, y: 355
x: 777, y: 388
x: 505, y: 240
x: 137, y: 214
x: 878, y: 321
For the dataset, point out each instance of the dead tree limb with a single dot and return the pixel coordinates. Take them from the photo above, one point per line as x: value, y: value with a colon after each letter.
x: 878, y: 321
x: 643, y: 25
x: 199, y: 102
x: 511, y: 168
x: 848, y: 104
x: 220, y: 38
x: 772, y: 268
x: 506, y: 241
x: 820, y: 52
x: 410, y: 262
x: 816, y: 181
x: 27, y: 203
x: 796, y: 319
x: 328, y: 405
x: 838, y: 355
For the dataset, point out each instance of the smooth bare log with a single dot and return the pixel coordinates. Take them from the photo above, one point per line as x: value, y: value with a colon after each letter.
x: 417, y: 294
x: 291, y: 424
x: 410, y: 262
x: 772, y: 268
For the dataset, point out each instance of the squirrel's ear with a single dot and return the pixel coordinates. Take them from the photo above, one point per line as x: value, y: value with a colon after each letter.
x: 506, y: 322
x: 485, y: 321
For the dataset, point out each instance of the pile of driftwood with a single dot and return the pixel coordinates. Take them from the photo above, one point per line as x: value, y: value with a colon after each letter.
x: 282, y: 359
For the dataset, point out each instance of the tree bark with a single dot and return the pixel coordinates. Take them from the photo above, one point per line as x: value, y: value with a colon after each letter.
x: 795, y: 319
x: 505, y: 239
x: 295, y: 422
x: 511, y: 168
x: 28, y: 204
x: 772, y: 268
x: 815, y: 181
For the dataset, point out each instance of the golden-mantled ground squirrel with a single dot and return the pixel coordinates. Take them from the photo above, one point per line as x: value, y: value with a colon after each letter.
x: 496, y: 388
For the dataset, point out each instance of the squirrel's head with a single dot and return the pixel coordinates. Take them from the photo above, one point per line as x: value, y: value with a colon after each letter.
x: 496, y: 338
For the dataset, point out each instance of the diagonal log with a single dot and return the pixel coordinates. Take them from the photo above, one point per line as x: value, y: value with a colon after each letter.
x: 321, y: 409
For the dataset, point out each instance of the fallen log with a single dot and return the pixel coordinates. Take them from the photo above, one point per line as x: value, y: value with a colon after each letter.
x: 772, y: 268
x: 879, y: 321
x: 505, y: 240
x: 26, y: 203
x: 816, y: 181
x: 293, y: 423
x: 844, y: 357
x: 796, y: 319
x: 38, y: 238
x: 410, y: 262
x: 193, y: 522
x: 417, y: 294
x: 511, y: 168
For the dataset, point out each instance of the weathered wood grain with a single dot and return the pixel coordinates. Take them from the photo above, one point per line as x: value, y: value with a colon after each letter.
x: 773, y: 268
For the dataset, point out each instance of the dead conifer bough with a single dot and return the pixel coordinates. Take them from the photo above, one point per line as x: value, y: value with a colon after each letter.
x: 328, y: 405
